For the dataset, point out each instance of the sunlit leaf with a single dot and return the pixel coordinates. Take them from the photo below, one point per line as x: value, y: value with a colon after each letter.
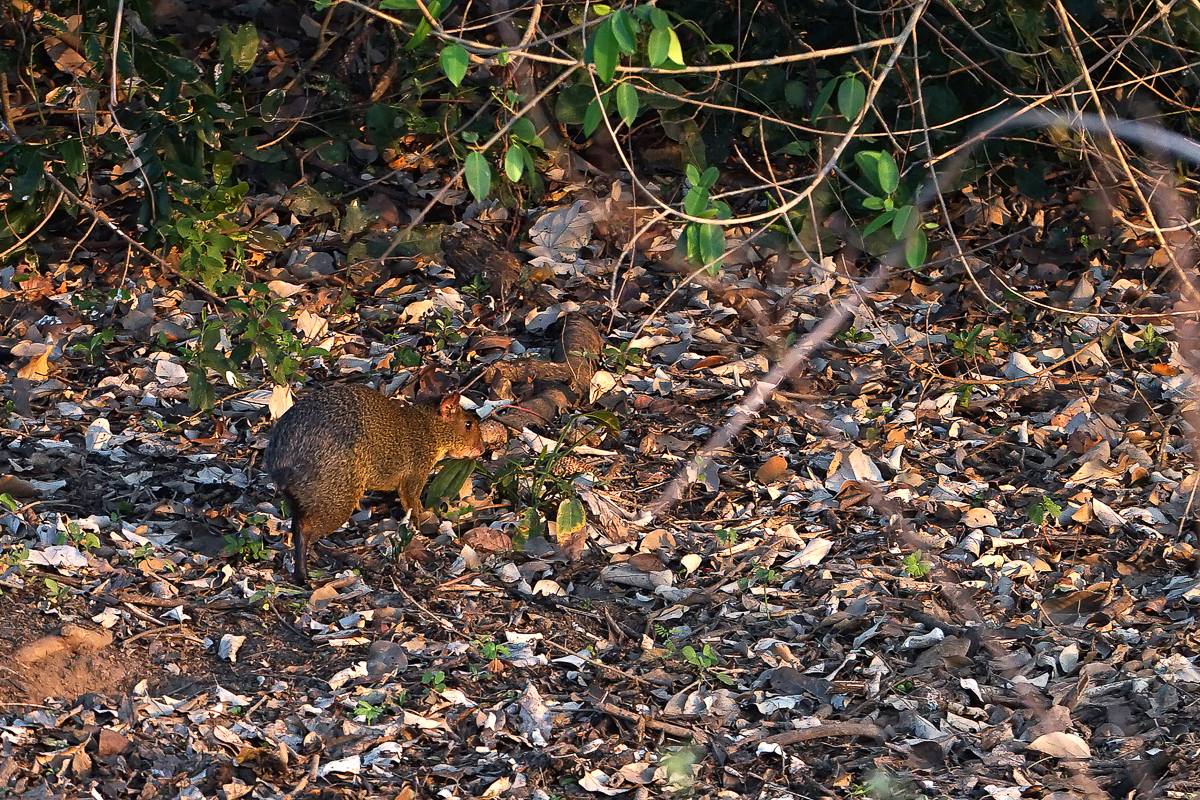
x: 674, y: 48
x: 239, y: 47
x: 523, y: 130
x: 888, y: 175
x: 627, y: 103
x: 478, y: 173
x: 606, y: 419
x: 455, y: 60
x: 625, y: 28
x: 605, y: 52
x: 515, y: 160
x: 658, y: 49
x: 696, y: 201
x: 571, y: 517
x: 712, y: 247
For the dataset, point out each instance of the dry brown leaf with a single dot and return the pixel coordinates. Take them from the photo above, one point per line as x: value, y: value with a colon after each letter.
x: 37, y: 368
x: 1061, y: 745
x: 14, y: 486
x: 771, y: 471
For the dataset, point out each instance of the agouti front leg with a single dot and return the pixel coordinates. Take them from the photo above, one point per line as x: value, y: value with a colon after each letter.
x: 410, y: 500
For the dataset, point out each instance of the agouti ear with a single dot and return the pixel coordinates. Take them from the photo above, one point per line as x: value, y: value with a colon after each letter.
x: 449, y: 406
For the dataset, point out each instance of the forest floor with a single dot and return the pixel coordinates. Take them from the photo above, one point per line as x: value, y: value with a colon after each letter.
x: 952, y: 557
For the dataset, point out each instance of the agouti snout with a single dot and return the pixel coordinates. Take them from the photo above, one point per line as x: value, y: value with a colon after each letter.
x: 338, y: 441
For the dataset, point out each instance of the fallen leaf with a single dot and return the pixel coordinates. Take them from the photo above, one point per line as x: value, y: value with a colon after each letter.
x: 37, y: 368
x: 1061, y: 745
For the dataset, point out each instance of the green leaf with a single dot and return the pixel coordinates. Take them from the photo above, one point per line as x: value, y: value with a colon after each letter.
x: 904, y: 215
x: 669, y: 98
x: 822, y: 101
x: 696, y: 201
x: 712, y: 247
x: 272, y: 102
x: 479, y: 175
x: 72, y: 153
x: 531, y: 175
x: 94, y: 51
x: 592, y: 118
x: 625, y: 29
x: 28, y: 180
x: 691, y: 237
x: 627, y: 103
x: 222, y: 167
x: 851, y: 97
x: 515, y: 160
x: 201, y: 394
x: 873, y: 203
x: 659, y: 19
x: 793, y: 93
x: 888, y: 174
x: 450, y: 479
x: 709, y: 178
x: 674, y: 49
x: 879, y: 222
x: 455, y: 60
x: 692, y: 172
x: 239, y: 47
x: 572, y: 104
x: 435, y: 8
x: 54, y: 22
x: 605, y: 52
x: 523, y: 131
x: 606, y: 419
x: 658, y: 49
x: 915, y: 250
x: 530, y: 525
x: 691, y: 142
x: 868, y: 162
x: 184, y: 69
x: 571, y: 518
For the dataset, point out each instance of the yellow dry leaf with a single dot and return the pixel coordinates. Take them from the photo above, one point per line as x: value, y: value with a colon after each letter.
x: 38, y: 368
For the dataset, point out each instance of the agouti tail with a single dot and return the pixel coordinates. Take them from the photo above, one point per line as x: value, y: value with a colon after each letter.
x: 338, y: 441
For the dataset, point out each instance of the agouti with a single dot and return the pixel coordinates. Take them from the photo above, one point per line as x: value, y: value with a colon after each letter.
x: 338, y: 441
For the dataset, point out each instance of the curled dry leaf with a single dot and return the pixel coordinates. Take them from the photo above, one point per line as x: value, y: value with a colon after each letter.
x: 1061, y: 744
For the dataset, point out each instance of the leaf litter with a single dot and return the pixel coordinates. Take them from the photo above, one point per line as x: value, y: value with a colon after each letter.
x: 953, y: 554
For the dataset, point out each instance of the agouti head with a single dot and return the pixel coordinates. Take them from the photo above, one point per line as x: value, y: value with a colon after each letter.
x: 339, y: 441
x: 460, y: 436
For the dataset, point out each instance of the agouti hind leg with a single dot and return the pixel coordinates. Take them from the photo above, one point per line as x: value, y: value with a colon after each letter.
x: 300, y: 537
x: 318, y: 519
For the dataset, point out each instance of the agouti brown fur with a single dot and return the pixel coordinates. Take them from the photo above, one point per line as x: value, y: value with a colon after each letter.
x: 338, y: 441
